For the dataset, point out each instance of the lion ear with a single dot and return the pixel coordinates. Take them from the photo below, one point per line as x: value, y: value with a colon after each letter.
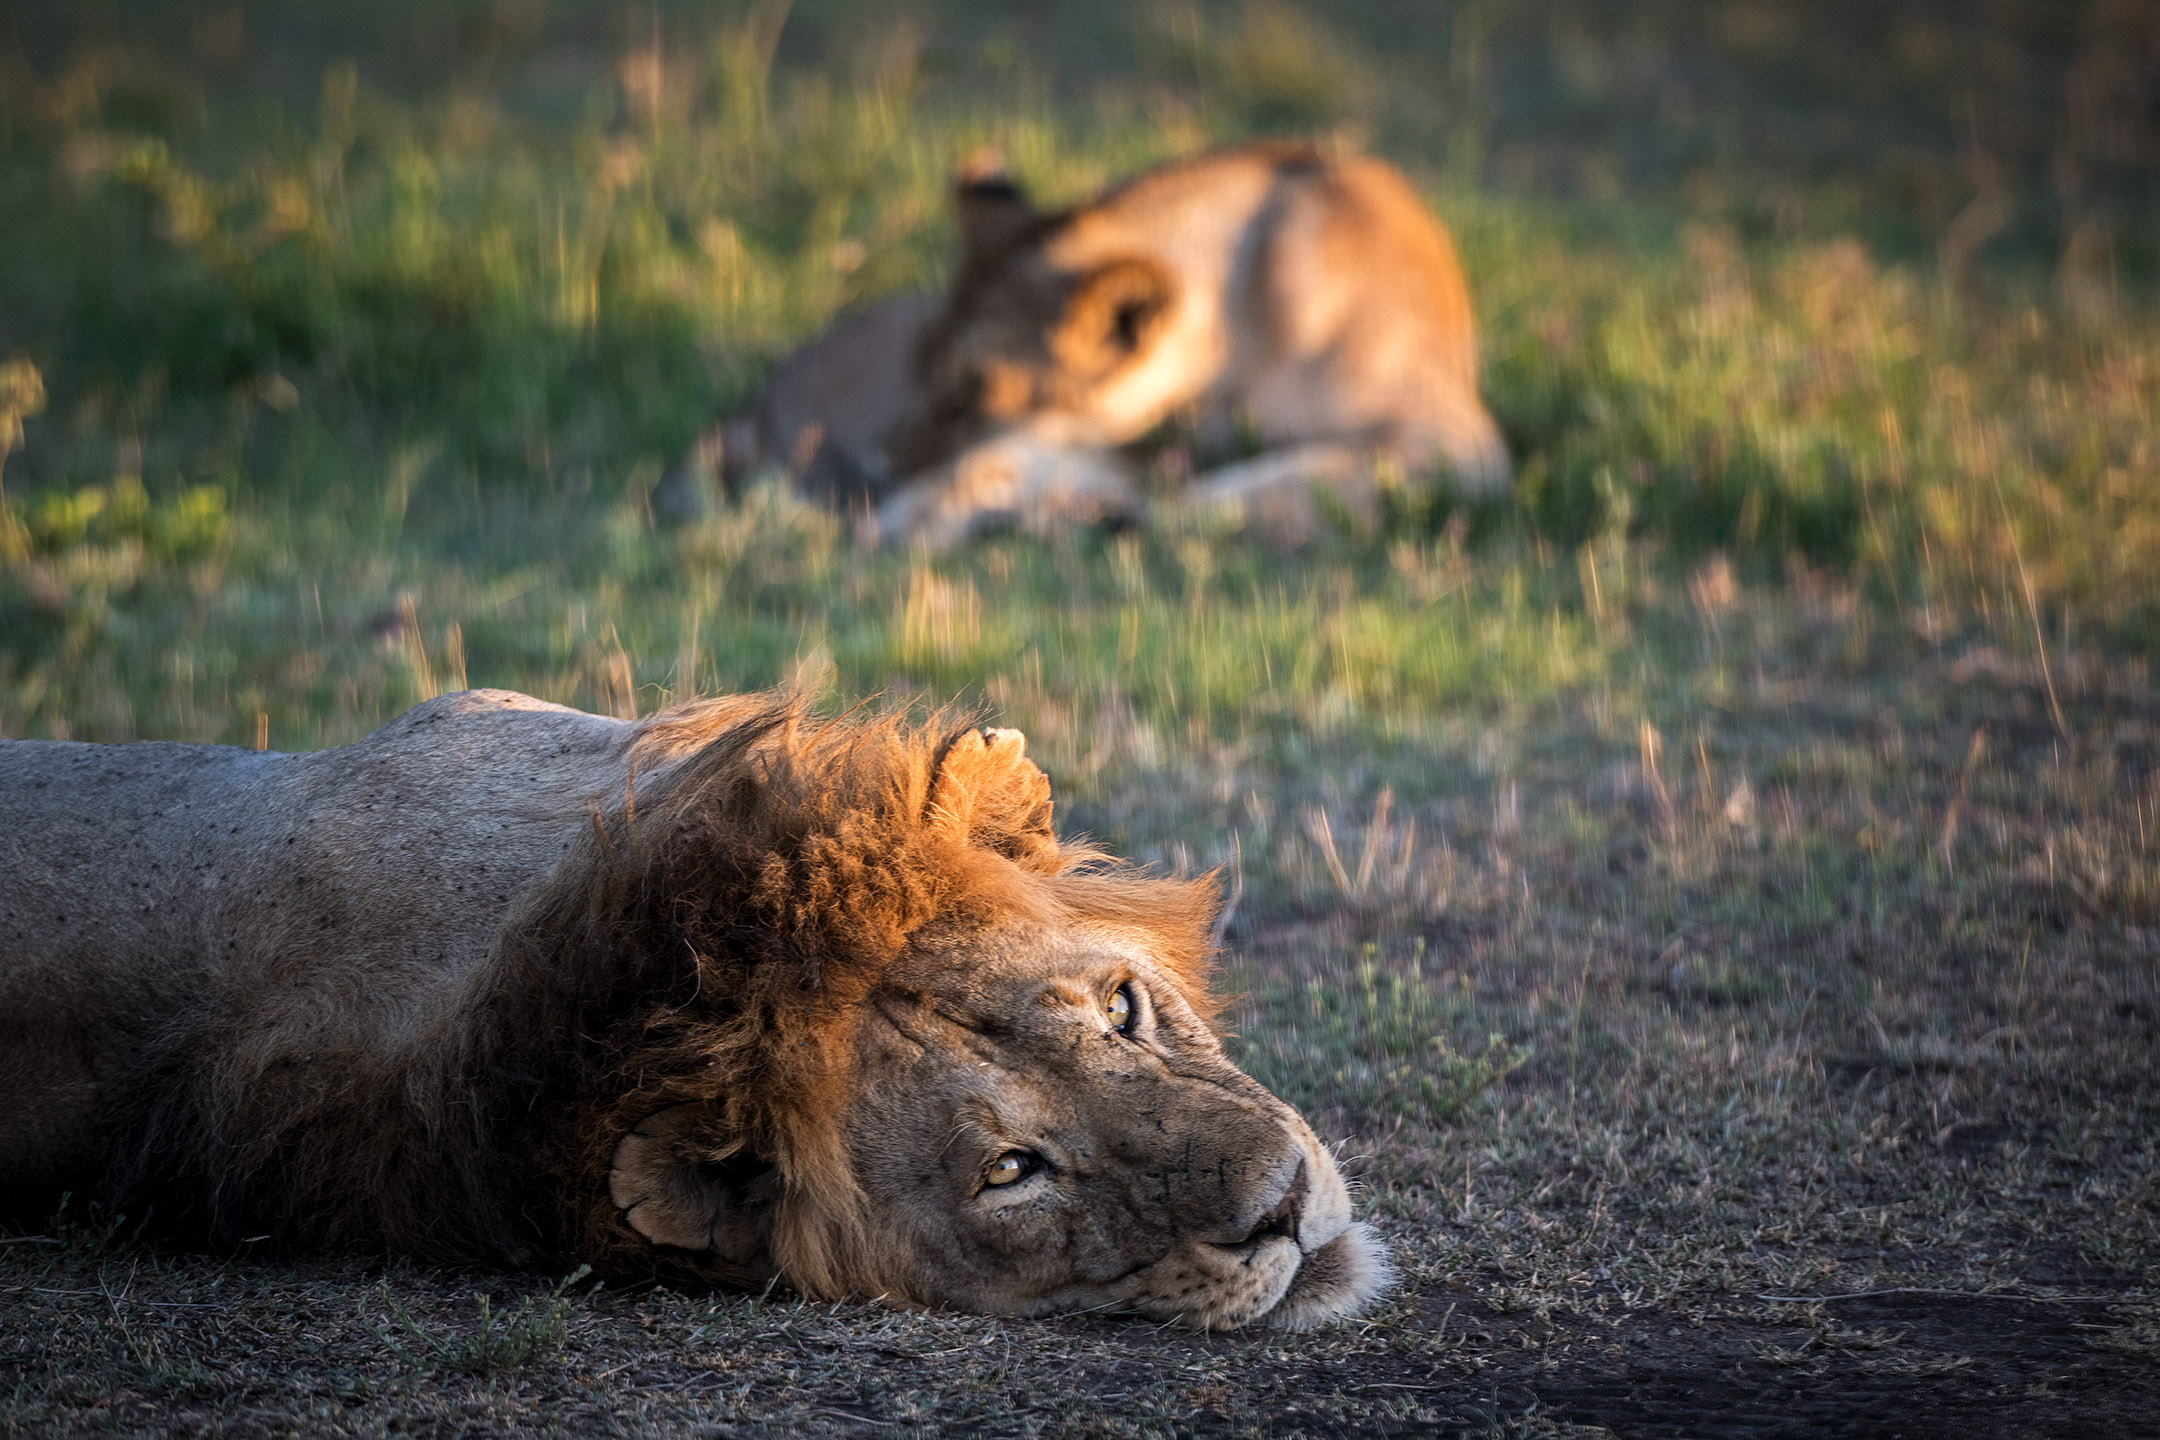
x: 676, y: 1186
x: 986, y: 788
x: 992, y: 210
x: 1112, y: 315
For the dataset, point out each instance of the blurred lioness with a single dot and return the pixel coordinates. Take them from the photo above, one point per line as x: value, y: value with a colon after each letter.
x: 1312, y: 296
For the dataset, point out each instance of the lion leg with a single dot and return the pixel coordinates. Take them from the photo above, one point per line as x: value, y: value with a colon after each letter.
x: 1012, y: 483
x: 51, y: 1123
x: 1278, y: 497
x: 1467, y: 442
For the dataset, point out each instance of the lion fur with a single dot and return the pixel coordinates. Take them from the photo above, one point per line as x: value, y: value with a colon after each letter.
x: 408, y: 996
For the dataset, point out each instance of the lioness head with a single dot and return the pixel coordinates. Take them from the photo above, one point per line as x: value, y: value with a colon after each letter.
x: 1024, y: 337
x: 991, y: 1085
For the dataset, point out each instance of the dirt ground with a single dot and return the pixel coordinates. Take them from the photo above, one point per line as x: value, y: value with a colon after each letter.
x: 262, y: 1355
x: 1714, y: 898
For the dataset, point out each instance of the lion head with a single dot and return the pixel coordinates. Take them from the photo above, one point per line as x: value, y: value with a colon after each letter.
x: 896, y: 1039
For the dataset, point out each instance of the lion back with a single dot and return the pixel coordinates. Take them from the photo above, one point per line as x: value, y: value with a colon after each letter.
x: 192, y: 934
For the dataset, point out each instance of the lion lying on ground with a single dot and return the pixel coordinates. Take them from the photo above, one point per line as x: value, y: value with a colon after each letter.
x: 729, y: 994
x: 1312, y: 296
x: 820, y: 422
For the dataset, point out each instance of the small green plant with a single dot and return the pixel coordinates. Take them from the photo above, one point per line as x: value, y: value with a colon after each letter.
x: 185, y: 527
x: 531, y: 1334
x: 1449, y: 1079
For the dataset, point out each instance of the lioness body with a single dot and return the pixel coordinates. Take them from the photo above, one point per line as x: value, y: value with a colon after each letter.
x: 727, y: 994
x: 1313, y: 295
x: 822, y: 415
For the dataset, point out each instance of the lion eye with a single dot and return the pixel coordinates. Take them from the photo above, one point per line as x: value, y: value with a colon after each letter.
x: 1011, y: 1166
x: 1120, y: 1010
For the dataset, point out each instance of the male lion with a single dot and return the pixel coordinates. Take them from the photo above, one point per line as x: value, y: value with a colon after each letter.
x: 1311, y: 294
x: 729, y: 994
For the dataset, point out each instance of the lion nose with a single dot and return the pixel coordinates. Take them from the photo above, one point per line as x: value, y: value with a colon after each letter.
x: 1282, y: 1217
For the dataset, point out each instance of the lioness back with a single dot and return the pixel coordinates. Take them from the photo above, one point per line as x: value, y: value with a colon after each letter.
x: 151, y: 891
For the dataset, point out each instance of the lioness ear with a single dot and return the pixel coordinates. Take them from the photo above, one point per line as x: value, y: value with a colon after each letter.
x: 993, y: 211
x: 674, y: 1187
x: 1113, y: 314
x: 987, y: 788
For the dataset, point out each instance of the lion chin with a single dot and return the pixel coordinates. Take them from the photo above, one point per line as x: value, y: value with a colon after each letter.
x: 1276, y: 1284
x: 735, y: 995
x: 1339, y: 1279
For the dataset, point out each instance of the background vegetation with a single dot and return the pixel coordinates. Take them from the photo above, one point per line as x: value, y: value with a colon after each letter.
x: 1724, y: 871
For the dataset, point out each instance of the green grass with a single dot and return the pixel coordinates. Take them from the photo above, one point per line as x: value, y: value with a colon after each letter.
x: 1728, y: 870
x: 530, y: 1334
